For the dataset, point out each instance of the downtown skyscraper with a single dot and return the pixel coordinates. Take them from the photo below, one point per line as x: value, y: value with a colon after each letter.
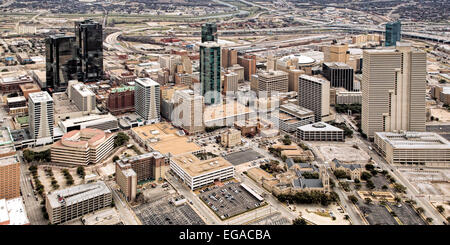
x: 393, y: 90
x: 89, y: 38
x: 61, y: 62
x: 393, y: 33
x: 210, y: 72
x: 209, y: 32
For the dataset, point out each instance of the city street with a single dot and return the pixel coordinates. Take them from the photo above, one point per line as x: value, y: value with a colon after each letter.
x: 32, y: 206
x: 126, y: 214
x: 346, y: 204
x: 207, y: 215
x: 412, y: 193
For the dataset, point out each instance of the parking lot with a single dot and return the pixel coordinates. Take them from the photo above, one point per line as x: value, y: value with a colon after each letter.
x: 229, y: 200
x: 243, y: 157
x: 376, y: 214
x: 407, y: 214
x: 161, y: 212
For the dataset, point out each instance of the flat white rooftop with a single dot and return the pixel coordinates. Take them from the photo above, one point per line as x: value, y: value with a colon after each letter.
x: 418, y: 140
x: 14, y: 211
x: 42, y: 96
x: 146, y: 82
x: 77, y: 194
x: 314, y: 79
x: 319, y: 126
x: 83, y: 89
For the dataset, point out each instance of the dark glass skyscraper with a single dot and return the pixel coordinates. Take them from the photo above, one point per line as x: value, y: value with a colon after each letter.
x: 209, y: 32
x: 393, y: 33
x: 89, y: 38
x: 210, y: 72
x: 61, y: 62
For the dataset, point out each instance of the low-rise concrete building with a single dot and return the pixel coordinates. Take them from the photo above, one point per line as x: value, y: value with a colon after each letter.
x: 230, y: 138
x: 74, y: 202
x: 424, y: 148
x: 352, y: 170
x: 82, y: 147
x: 197, y: 173
x: 320, y: 132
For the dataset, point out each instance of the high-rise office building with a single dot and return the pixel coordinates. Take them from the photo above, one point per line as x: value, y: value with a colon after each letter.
x: 82, y: 96
x: 188, y: 111
x: 230, y: 83
x: 393, y: 33
x: 61, y: 62
x: 89, y: 39
x: 339, y: 74
x: 269, y: 81
x: 209, y: 32
x: 9, y: 177
x: 147, y: 99
x: 249, y: 64
x: 229, y: 57
x: 210, y: 72
x: 393, y: 90
x: 336, y: 53
x: 314, y: 94
x: 40, y: 111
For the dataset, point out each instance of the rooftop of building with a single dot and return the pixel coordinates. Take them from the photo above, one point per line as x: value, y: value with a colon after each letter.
x: 164, y: 138
x: 296, y: 109
x: 29, y: 87
x: 42, y: 96
x: 301, y: 59
x: 307, y: 183
x: 5, y: 136
x: 153, y: 154
x: 122, y: 89
x: 79, y: 120
x: 8, y: 160
x: 210, y: 44
x: 77, y: 194
x: 314, y: 79
x: 196, y: 167
x: 349, y: 166
x: 219, y: 111
x: 415, y: 140
x: 83, y: 89
x: 13, y: 210
x: 271, y: 73
x: 146, y: 82
x: 337, y: 65
x: 84, y: 138
x: 15, y: 99
x: 129, y: 172
x: 319, y: 126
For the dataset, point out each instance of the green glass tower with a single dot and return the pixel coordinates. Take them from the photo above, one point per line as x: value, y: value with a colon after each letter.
x: 209, y: 32
x: 393, y: 33
x: 210, y: 72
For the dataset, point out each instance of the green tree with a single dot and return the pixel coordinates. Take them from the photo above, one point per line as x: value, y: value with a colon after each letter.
x: 370, y: 184
x: 420, y: 210
x: 440, y: 209
x: 340, y: 174
x: 115, y: 158
x: 366, y: 175
x: 299, y: 221
x: 399, y: 188
x: 369, y: 167
x: 353, y: 199
x: 429, y: 219
x: 121, y: 139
